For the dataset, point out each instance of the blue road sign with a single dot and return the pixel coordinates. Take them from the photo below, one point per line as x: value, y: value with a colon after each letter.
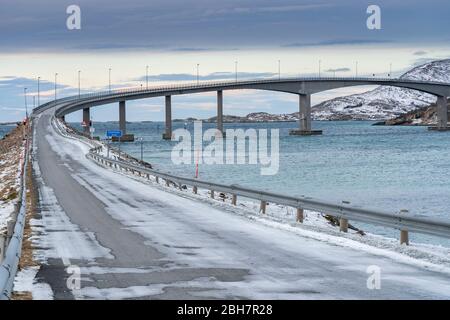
x: 114, y: 133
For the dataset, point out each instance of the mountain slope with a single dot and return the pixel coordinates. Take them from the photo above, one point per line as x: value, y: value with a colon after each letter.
x: 385, y: 102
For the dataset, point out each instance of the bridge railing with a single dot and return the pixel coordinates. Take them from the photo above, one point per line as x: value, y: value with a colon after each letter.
x: 117, y: 93
x: 344, y: 211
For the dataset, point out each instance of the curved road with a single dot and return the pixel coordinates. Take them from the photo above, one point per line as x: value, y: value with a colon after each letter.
x: 132, y: 239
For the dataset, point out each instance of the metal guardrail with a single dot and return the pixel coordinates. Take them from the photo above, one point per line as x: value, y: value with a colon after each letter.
x: 8, y: 268
x: 344, y: 211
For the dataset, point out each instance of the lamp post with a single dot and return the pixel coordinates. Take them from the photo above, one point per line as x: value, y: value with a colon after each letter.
x: 356, y: 69
x: 320, y: 67
x: 236, y: 70
x: 79, y: 84
x: 142, y: 149
x: 279, y: 69
x: 56, y: 86
x: 146, y: 76
x: 26, y: 106
x: 109, y: 80
x: 198, y: 74
x: 390, y: 70
x: 39, y: 94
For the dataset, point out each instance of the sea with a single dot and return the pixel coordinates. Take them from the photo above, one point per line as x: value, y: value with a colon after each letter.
x: 4, y: 129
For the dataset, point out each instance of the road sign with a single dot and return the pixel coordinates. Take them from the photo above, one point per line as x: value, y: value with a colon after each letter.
x: 114, y: 133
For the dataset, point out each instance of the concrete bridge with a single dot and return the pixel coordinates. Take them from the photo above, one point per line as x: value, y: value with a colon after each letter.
x: 303, y: 87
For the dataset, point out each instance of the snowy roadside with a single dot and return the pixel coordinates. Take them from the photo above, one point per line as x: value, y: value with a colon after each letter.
x: 11, y: 158
x: 315, y: 226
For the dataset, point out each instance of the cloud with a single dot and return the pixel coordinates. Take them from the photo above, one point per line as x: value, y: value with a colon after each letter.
x: 420, y: 53
x: 336, y: 42
x: 338, y: 70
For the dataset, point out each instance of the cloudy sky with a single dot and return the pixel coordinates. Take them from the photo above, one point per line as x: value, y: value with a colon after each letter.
x: 172, y: 37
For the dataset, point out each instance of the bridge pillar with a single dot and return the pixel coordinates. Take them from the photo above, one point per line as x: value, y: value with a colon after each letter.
x: 167, y: 135
x: 305, y: 117
x: 87, y: 119
x: 441, y: 115
x: 122, y: 117
x: 220, y: 111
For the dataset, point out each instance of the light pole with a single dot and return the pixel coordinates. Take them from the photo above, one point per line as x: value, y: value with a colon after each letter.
x: 79, y: 84
x: 56, y: 86
x: 142, y: 149
x: 356, y: 69
x: 109, y: 80
x: 198, y: 74
x: 39, y: 94
x: 26, y: 106
x: 390, y: 70
x: 236, y: 70
x: 320, y: 66
x: 146, y: 76
x: 279, y: 69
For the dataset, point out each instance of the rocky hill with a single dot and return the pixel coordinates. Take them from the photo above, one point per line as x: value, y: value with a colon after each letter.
x: 385, y: 102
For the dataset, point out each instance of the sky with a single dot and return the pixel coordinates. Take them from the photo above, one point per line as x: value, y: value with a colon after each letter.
x: 172, y: 37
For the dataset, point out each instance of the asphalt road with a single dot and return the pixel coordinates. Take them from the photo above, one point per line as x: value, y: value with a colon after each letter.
x: 133, y: 240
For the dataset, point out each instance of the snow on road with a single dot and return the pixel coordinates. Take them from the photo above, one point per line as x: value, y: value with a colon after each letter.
x: 202, y: 248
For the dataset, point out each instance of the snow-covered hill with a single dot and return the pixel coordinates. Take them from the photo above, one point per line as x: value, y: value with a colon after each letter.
x: 385, y: 102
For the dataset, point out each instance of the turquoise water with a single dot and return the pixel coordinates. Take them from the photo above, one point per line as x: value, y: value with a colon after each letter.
x: 390, y: 168
x: 4, y: 129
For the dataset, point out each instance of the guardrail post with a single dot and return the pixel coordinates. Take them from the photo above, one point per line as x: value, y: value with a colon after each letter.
x: 234, y: 199
x: 212, y: 194
x: 2, y: 247
x: 9, y: 231
x: 262, y: 207
x: 343, y: 224
x: 157, y: 179
x: 404, y: 237
x: 167, y: 183
x: 300, y: 215
x: 194, y: 189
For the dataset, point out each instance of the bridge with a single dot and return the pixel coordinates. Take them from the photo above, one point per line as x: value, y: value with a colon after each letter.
x: 303, y: 87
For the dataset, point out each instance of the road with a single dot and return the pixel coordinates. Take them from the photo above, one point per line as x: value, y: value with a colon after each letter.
x: 134, y: 240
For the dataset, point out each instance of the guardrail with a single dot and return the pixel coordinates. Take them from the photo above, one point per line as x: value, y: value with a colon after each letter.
x: 8, y: 268
x: 344, y: 211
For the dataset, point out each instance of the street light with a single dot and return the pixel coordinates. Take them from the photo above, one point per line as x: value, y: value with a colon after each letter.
x: 320, y: 67
x: 356, y: 68
x: 236, y: 69
x: 56, y: 86
x: 26, y: 106
x: 79, y: 84
x: 142, y: 149
x: 146, y: 75
x: 390, y: 70
x: 39, y: 94
x: 109, y: 80
x: 279, y: 70
x: 198, y: 75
